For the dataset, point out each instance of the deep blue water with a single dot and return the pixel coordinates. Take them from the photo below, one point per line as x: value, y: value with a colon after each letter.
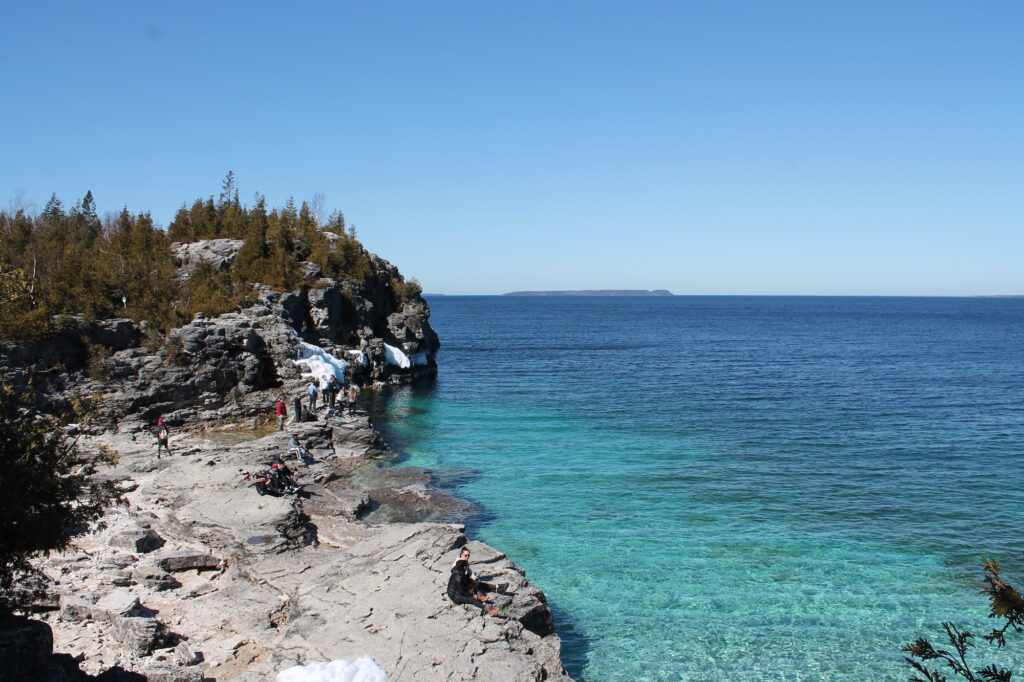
x: 735, y: 488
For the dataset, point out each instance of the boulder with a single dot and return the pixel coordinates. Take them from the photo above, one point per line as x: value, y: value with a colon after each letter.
x: 140, y: 541
x: 155, y: 578
x: 218, y: 252
x: 187, y: 561
x: 117, y: 604
x: 138, y: 636
x: 74, y: 608
x: 185, y: 656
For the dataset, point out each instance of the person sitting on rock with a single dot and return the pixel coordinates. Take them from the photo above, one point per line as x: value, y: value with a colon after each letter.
x: 279, y: 479
x: 465, y: 588
x: 295, y: 448
x: 479, y: 585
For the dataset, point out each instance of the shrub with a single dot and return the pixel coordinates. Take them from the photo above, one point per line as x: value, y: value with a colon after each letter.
x: 46, y: 491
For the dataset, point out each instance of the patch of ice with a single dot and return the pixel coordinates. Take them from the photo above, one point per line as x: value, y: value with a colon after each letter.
x: 420, y: 359
x: 320, y: 362
x: 396, y: 357
x: 363, y: 670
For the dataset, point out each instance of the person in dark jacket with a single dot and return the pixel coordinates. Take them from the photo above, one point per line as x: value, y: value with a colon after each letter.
x: 461, y: 588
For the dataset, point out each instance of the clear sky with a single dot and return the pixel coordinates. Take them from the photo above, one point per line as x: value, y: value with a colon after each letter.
x: 719, y: 147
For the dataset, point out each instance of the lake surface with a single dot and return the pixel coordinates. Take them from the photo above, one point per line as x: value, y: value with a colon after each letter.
x: 735, y: 488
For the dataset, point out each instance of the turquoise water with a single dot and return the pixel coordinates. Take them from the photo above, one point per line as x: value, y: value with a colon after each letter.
x: 731, y: 488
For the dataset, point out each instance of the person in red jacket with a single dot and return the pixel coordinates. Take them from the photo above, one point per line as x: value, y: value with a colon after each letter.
x: 281, y: 411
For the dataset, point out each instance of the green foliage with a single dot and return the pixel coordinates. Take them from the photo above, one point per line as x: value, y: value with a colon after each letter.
x: 45, y: 488
x: 405, y: 291
x: 1005, y: 603
x: 69, y: 262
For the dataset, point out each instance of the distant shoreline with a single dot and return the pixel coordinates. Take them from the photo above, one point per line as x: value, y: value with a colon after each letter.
x: 595, y: 292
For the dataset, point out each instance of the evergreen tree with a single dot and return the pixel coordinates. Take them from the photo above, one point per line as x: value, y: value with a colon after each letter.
x: 42, y: 478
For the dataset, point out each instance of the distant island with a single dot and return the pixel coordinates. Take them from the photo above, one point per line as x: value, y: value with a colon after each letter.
x: 595, y: 292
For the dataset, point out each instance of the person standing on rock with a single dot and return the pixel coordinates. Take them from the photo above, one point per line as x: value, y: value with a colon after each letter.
x: 312, y: 391
x: 325, y: 392
x: 332, y: 390
x: 350, y: 398
x: 281, y: 411
x: 297, y: 409
x: 163, y: 438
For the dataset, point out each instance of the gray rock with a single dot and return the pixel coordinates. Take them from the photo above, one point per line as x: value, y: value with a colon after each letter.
x: 218, y: 252
x: 161, y: 672
x: 74, y: 608
x: 185, y: 656
x: 117, y: 604
x: 155, y: 579
x: 138, y: 636
x: 188, y: 561
x: 140, y: 541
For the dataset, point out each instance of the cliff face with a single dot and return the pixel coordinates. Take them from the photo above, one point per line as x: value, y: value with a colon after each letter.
x: 222, y: 368
x: 196, y: 576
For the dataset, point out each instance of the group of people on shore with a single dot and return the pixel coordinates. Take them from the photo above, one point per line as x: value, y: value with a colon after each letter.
x: 328, y: 391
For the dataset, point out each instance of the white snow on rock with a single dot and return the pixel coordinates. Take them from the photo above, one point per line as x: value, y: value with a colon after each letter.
x: 358, y: 355
x: 420, y: 359
x: 363, y: 670
x: 396, y: 357
x: 320, y: 362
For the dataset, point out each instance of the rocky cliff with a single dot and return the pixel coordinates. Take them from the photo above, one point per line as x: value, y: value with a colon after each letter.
x: 231, y: 366
x: 197, y: 577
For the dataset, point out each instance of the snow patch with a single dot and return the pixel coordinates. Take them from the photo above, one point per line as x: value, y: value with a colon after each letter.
x: 320, y: 362
x: 396, y: 357
x: 358, y: 355
x: 363, y: 670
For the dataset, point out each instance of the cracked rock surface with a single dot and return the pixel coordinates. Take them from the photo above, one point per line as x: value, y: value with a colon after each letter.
x: 196, y: 575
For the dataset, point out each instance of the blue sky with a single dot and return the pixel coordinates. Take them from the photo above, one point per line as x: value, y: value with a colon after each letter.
x: 727, y: 147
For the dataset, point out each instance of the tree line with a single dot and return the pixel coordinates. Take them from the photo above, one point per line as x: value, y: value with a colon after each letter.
x: 66, y: 260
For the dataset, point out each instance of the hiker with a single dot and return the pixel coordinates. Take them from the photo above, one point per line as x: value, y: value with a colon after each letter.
x: 312, y: 391
x: 163, y: 438
x: 332, y: 389
x: 297, y: 410
x: 281, y: 411
x: 461, y: 588
x: 350, y: 398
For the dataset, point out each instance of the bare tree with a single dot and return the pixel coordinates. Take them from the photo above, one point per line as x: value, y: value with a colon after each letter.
x: 317, y: 206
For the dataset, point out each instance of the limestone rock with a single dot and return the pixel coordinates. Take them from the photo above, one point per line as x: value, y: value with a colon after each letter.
x: 185, y: 656
x: 74, y: 608
x: 155, y: 579
x: 141, y: 541
x: 161, y: 672
x: 138, y: 635
x: 117, y: 604
x: 218, y: 252
x: 187, y: 561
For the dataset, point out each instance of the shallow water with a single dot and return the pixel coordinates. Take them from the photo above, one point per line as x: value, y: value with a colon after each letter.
x: 731, y: 488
